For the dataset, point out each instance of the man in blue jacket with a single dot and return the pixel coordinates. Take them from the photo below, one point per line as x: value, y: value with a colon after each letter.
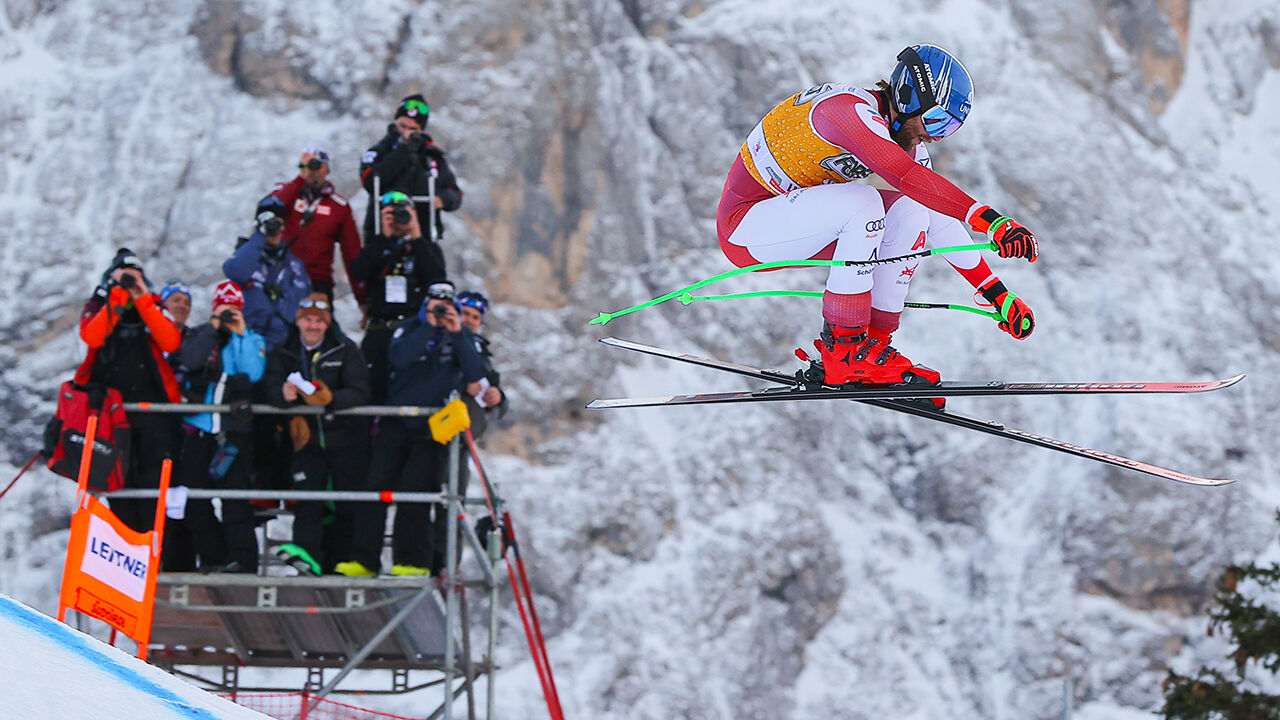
x: 218, y: 363
x: 274, y: 280
x: 431, y: 355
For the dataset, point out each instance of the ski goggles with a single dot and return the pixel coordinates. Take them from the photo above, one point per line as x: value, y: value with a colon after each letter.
x: 939, y: 123
x: 315, y: 304
x: 395, y: 197
x: 414, y: 108
x: 174, y: 288
x: 441, y: 291
x: 471, y: 301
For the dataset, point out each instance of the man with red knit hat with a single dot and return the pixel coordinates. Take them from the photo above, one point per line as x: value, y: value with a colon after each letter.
x: 128, y: 334
x: 218, y: 364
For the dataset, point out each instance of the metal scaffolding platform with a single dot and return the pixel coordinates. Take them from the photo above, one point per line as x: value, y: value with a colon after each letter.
x: 252, y: 621
x: 399, y: 624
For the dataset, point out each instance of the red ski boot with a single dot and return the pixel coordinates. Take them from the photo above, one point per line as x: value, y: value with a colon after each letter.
x: 850, y: 355
x: 917, y: 373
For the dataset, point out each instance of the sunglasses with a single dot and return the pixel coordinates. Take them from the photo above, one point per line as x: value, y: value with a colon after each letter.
x: 317, y: 304
x: 395, y: 197
x: 413, y: 108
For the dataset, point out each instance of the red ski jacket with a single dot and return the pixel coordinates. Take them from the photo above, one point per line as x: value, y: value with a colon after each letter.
x: 98, y: 320
x: 330, y: 224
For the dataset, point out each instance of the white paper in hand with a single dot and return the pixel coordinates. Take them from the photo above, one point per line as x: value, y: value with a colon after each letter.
x: 304, y: 386
x: 484, y: 385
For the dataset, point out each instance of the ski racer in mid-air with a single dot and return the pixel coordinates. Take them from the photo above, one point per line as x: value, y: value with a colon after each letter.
x: 794, y: 193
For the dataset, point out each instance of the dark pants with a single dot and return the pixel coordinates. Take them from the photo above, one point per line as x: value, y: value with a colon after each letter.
x: 234, y: 538
x: 375, y: 346
x: 403, y: 459
x: 150, y: 443
x: 341, y: 469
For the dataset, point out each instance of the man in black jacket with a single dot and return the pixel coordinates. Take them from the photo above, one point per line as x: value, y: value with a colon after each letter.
x: 329, y: 452
x: 397, y: 267
x: 406, y: 159
x: 431, y: 355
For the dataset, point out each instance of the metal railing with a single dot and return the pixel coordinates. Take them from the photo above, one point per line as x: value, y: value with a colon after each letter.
x: 454, y: 507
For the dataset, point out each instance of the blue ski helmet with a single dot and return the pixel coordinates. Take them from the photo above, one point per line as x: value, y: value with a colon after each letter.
x: 931, y: 82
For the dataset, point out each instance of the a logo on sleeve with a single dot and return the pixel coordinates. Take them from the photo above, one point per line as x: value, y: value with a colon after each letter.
x: 811, y: 93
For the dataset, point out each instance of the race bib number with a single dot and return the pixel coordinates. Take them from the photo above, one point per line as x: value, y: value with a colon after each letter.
x: 397, y: 289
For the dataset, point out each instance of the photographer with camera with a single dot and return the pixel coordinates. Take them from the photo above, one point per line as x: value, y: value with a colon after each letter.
x: 128, y: 335
x: 407, y: 159
x: 318, y: 365
x: 318, y: 219
x: 431, y: 356
x: 273, y: 278
x: 397, y: 266
x: 218, y: 364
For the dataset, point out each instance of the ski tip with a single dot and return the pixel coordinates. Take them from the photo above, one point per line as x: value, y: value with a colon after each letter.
x: 600, y: 319
x: 1232, y: 380
x: 1200, y: 481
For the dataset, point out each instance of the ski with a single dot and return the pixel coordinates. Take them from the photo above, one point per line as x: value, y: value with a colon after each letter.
x: 921, y: 390
x: 794, y: 390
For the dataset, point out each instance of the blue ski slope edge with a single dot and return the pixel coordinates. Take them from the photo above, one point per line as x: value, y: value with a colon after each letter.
x: 83, y: 645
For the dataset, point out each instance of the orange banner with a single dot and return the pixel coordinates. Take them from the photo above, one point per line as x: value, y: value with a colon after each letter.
x: 110, y: 572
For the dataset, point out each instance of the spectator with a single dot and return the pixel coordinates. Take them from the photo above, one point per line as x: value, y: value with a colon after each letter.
x: 472, y: 306
x: 406, y: 159
x: 318, y: 219
x: 431, y: 355
x: 397, y: 266
x: 273, y: 279
x: 329, y: 452
x: 128, y: 335
x: 179, y: 551
x: 218, y: 364
x: 176, y: 299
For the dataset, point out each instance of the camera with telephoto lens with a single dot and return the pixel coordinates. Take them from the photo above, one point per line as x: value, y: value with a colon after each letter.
x: 271, y: 225
x: 400, y: 215
x: 315, y: 163
x: 127, y: 281
x: 226, y: 316
x: 440, y: 311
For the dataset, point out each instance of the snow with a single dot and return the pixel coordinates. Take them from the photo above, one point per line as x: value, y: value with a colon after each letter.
x: 51, y: 670
x: 791, y: 560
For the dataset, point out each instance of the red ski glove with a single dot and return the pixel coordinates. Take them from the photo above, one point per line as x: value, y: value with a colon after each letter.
x: 1008, y: 235
x: 1018, y: 319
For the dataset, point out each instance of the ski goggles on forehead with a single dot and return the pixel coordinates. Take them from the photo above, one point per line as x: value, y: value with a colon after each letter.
x: 413, y: 108
x: 174, y: 288
x: 316, y: 304
x: 395, y: 197
x: 939, y: 123
x: 474, y: 303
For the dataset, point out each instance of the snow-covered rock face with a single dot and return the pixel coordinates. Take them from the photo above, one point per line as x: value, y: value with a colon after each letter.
x: 781, y: 561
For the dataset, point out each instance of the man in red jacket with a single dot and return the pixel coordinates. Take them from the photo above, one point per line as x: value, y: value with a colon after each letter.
x: 128, y: 334
x: 318, y: 219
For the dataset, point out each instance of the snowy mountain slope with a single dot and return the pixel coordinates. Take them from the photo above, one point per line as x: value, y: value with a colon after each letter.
x: 733, y: 562
x: 50, y: 670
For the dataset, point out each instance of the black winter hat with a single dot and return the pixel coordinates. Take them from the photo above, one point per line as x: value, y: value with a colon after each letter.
x: 125, y: 258
x: 271, y: 204
x: 415, y: 106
